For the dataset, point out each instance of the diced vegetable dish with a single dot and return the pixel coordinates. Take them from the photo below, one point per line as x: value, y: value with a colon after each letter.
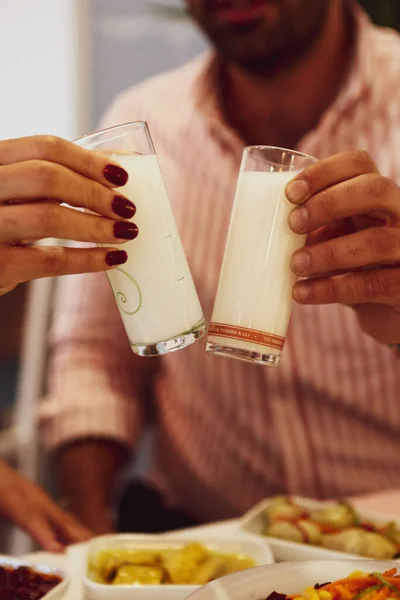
x: 193, y: 564
x: 338, y: 527
x: 357, y: 586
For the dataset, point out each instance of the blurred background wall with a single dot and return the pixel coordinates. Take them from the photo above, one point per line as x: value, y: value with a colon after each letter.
x: 62, y: 62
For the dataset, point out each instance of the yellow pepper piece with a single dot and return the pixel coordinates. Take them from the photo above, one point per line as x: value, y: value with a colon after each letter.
x: 311, y: 594
x: 324, y: 595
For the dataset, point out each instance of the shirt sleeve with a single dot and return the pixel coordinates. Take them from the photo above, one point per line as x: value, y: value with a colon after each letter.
x: 97, y: 387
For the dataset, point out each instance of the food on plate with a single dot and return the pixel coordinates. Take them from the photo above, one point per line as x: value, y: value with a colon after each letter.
x: 297, y: 531
x: 193, y: 564
x: 357, y: 586
x: 364, y: 543
x: 282, y: 507
x: 337, y: 527
x: 24, y: 583
x: 339, y: 516
x: 392, y: 532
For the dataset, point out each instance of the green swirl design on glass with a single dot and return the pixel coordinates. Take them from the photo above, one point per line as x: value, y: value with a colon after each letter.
x: 121, y: 298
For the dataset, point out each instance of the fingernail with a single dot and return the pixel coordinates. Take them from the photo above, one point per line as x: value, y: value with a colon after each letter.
x: 297, y: 190
x: 298, y: 219
x: 123, y: 207
x: 116, y: 175
x: 116, y: 257
x: 302, y: 292
x: 126, y: 231
x: 301, y: 262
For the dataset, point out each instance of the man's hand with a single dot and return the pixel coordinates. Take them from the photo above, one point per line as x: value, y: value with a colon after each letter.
x: 352, y: 216
x: 30, y: 508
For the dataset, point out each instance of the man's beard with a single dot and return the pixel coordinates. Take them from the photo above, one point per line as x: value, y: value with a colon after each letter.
x: 251, y: 49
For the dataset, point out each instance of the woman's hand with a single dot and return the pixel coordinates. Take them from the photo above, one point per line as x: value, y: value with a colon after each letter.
x: 37, y: 175
x: 352, y: 215
x: 30, y: 508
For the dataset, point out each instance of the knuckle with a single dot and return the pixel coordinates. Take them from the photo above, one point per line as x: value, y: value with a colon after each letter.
x: 90, y: 262
x: 379, y: 186
x: 9, y: 219
x: 327, y: 201
x: 44, y: 175
x: 375, y: 285
x: 383, y: 243
x: 47, y: 218
x: 102, y: 230
x: 333, y: 290
x: 89, y: 160
x: 332, y: 255
x: 93, y: 195
x: 55, y: 260
x: 361, y: 159
x: 48, y: 146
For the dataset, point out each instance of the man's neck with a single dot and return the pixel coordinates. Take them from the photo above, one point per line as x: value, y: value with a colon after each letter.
x: 279, y: 110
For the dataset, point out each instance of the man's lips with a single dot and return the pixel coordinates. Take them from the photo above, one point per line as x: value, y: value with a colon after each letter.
x: 238, y: 11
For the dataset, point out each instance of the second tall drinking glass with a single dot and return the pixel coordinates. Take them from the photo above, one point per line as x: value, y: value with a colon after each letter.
x: 254, y: 298
x: 154, y: 289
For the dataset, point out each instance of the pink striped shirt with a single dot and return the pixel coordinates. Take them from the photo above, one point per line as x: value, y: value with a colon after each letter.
x: 326, y: 422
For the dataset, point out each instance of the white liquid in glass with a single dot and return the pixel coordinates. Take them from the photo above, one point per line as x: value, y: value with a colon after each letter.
x: 154, y: 289
x: 256, y: 281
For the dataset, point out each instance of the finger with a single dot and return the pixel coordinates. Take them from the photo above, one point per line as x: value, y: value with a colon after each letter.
x: 359, y: 196
x: 373, y: 246
x: 331, y: 231
x: 43, y: 532
x: 43, y: 220
x: 17, y: 509
x: 36, y: 179
x: 49, y: 148
x: 70, y: 530
x: 328, y: 172
x: 377, y: 286
x: 22, y: 264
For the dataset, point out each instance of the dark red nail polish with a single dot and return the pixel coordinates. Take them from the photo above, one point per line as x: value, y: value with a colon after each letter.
x: 116, y: 175
x: 116, y: 257
x: 126, y: 231
x: 123, y: 207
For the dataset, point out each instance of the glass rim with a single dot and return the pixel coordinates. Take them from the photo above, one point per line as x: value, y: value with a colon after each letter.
x: 139, y: 124
x: 297, y: 153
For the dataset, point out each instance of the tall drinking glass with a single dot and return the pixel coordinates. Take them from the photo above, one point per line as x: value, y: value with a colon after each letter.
x: 254, y: 298
x: 154, y: 289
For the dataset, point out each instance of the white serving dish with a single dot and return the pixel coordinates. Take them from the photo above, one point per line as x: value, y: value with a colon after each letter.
x: 283, y: 550
x: 285, y: 578
x: 251, y: 546
x: 57, y: 593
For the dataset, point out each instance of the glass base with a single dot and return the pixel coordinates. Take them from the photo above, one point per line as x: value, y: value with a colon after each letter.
x: 178, y: 342
x: 259, y: 358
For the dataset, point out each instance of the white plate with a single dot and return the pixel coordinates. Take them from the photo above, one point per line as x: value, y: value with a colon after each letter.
x: 251, y: 546
x: 286, y: 578
x: 57, y: 592
x: 254, y: 522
